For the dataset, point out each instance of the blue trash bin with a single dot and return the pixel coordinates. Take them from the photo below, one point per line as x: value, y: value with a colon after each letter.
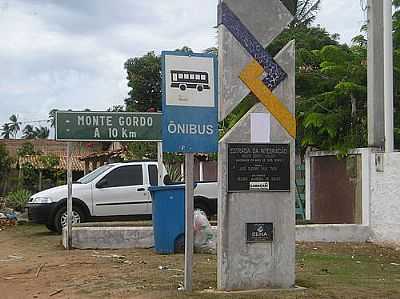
x: 168, y: 217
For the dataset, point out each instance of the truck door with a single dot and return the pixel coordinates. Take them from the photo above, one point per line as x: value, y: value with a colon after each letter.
x: 121, y: 192
x: 153, y: 181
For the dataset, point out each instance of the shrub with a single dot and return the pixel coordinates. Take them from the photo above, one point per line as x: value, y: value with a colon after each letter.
x: 30, y: 177
x: 174, y: 172
x: 17, y: 199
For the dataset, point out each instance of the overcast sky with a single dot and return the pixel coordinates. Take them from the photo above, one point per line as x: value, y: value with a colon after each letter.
x: 69, y: 54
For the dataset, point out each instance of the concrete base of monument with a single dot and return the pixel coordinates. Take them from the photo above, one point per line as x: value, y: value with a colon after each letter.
x: 120, y: 237
x: 255, y: 292
x: 127, y: 235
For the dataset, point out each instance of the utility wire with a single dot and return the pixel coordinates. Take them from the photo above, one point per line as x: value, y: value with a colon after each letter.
x: 34, y: 121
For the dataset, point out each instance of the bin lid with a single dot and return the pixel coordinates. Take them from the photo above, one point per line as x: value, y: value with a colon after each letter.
x: 168, y: 187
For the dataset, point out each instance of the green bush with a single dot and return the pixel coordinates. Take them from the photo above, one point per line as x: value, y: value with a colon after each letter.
x: 174, y: 172
x: 17, y: 199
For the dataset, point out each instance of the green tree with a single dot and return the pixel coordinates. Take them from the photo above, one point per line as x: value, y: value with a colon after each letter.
x: 5, y: 166
x: 42, y: 132
x: 6, y: 131
x: 305, y: 12
x: 144, y: 76
x: 211, y: 50
x: 185, y: 49
x: 26, y: 149
x: 332, y: 113
x: 30, y: 177
x: 144, y: 79
x: 28, y: 132
x: 14, y: 125
x: 52, y: 117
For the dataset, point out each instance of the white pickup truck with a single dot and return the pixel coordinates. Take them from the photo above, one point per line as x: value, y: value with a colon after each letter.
x: 112, y: 192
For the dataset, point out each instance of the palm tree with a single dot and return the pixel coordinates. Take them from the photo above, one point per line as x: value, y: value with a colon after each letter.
x: 42, y: 132
x: 211, y: 50
x: 52, y: 117
x: 6, y: 131
x: 14, y: 125
x: 304, y: 11
x: 28, y: 132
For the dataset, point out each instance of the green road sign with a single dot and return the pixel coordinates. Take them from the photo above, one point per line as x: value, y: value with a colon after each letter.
x: 108, y: 126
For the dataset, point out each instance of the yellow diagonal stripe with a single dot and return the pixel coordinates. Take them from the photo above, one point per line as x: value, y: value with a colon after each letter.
x: 251, y: 77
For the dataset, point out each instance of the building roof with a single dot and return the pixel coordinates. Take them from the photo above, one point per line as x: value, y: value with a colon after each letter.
x: 47, y: 146
x: 106, y: 155
x: 77, y: 164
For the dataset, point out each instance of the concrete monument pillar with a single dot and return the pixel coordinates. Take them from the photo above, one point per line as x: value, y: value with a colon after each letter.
x: 256, y: 237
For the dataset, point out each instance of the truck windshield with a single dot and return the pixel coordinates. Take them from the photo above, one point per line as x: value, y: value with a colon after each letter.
x: 94, y: 174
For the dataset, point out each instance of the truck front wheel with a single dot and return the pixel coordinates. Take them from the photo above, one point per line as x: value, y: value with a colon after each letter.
x: 60, y: 219
x: 51, y: 227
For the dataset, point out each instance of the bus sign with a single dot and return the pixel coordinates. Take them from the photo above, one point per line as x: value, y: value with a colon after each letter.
x: 186, y: 79
x: 190, y: 91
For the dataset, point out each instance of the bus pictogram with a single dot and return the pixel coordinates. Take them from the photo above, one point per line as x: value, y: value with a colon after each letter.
x: 188, y: 79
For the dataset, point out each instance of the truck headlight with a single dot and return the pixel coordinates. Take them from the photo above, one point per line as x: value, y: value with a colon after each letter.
x: 40, y: 200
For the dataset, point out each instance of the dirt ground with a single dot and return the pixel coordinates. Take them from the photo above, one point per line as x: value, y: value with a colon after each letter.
x: 33, y: 264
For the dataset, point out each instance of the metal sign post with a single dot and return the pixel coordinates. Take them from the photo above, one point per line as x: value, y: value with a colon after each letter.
x: 160, y: 163
x: 189, y: 161
x: 190, y: 113
x: 69, y: 198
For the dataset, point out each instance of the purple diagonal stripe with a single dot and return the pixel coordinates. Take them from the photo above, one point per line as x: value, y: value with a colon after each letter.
x: 274, y: 73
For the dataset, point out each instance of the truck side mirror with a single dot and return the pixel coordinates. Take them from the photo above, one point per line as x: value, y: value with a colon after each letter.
x: 101, y: 184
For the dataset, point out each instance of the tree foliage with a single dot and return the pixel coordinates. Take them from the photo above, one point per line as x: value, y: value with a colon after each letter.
x: 52, y: 117
x: 14, y: 125
x: 11, y: 129
x: 331, y: 99
x: 30, y: 132
x: 5, y: 164
x: 26, y: 149
x: 144, y: 79
x: 6, y: 131
x: 305, y: 11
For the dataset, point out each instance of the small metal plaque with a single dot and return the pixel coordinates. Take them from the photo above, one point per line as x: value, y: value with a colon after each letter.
x: 259, y: 232
x: 258, y: 167
x: 379, y: 162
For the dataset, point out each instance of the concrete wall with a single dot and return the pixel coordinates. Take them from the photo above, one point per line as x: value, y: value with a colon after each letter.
x: 332, y: 233
x: 384, y: 205
x: 100, y: 237
x: 110, y: 237
x: 380, y: 192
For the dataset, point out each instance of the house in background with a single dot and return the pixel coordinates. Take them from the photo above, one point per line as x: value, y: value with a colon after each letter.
x: 44, y: 148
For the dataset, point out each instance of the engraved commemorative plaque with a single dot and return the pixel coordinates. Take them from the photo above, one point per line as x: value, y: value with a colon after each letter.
x: 258, y: 167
